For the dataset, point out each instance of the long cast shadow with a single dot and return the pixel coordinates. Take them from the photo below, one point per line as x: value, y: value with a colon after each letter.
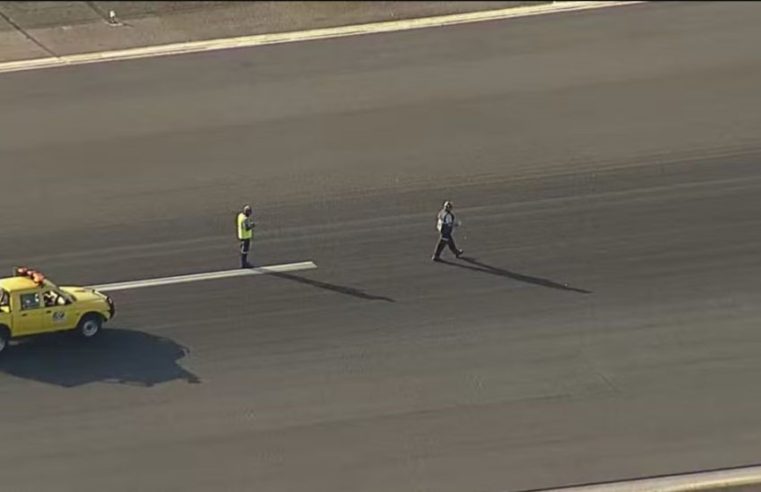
x: 349, y: 291
x: 483, y: 267
x: 116, y: 356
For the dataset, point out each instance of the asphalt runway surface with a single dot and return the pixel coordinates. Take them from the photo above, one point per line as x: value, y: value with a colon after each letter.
x: 604, y: 325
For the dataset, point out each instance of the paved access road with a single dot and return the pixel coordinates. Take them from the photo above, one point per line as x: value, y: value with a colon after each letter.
x: 605, y: 165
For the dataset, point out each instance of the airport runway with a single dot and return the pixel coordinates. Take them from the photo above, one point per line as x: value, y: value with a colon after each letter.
x: 604, y: 326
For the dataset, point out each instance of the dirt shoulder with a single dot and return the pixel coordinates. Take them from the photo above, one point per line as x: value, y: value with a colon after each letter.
x: 31, y: 30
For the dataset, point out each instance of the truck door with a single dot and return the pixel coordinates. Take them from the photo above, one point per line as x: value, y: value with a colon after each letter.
x: 27, y: 318
x: 57, y: 313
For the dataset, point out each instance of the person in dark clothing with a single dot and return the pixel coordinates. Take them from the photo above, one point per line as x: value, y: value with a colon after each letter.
x: 445, y: 224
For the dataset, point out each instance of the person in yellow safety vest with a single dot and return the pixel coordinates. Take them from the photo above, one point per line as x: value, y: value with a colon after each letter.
x: 245, y: 234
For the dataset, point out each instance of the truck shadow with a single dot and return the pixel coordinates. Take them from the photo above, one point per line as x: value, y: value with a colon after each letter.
x: 116, y: 356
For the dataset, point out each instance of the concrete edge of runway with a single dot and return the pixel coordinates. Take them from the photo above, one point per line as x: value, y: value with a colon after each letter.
x: 698, y: 481
x: 310, y: 35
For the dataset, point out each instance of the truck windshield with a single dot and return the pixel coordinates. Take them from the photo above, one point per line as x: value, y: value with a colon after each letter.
x: 4, y: 298
x: 47, y: 284
x: 50, y: 285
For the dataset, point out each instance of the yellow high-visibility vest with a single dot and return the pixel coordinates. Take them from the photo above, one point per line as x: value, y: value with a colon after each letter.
x: 243, y: 231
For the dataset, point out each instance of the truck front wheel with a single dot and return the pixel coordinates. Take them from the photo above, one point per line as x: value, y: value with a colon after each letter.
x: 90, y: 325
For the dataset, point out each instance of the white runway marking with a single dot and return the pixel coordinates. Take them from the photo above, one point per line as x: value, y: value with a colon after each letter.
x: 197, y: 277
x: 313, y: 34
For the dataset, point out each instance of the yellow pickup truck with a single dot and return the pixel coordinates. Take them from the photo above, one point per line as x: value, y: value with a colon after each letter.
x: 30, y: 305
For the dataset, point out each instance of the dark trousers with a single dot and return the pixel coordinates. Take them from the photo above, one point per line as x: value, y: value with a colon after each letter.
x: 446, y: 240
x: 245, y: 246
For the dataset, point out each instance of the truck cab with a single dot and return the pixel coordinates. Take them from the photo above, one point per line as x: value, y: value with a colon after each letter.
x: 32, y: 305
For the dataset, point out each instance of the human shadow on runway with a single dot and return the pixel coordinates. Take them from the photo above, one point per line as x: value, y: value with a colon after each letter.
x: 349, y: 291
x: 483, y: 267
x: 114, y: 356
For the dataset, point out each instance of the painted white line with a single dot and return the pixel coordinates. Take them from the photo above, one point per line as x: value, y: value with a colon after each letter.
x: 197, y: 277
x: 313, y: 34
x: 711, y: 480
